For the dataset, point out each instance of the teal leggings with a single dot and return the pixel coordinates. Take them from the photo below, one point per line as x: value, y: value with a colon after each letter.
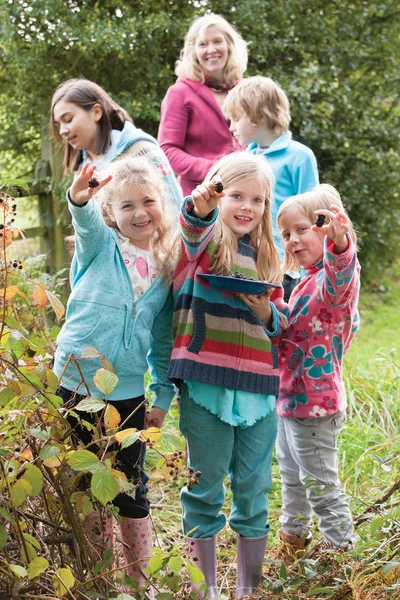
x: 217, y: 449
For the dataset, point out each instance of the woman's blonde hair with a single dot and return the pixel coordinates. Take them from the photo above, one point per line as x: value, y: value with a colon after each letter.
x: 140, y: 172
x: 259, y: 97
x: 320, y: 197
x: 232, y: 169
x: 236, y: 64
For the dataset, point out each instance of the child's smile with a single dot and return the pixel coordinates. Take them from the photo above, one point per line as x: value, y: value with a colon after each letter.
x: 243, y: 205
x: 302, y: 243
x: 137, y: 215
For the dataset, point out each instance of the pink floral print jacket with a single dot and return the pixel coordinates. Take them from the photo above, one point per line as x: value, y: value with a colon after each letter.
x: 322, y: 322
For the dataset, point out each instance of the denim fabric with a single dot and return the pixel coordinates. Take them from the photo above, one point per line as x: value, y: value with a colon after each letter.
x: 216, y: 449
x: 129, y: 460
x: 307, y: 452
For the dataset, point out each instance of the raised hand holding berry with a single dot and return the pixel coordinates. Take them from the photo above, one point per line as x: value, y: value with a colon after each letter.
x: 83, y: 188
x: 336, y: 226
x: 206, y: 197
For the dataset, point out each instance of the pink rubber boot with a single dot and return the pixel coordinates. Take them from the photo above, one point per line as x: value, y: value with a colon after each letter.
x: 136, y: 535
x: 99, y: 530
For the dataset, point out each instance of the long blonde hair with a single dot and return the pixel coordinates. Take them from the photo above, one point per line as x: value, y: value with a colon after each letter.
x: 320, y: 197
x: 140, y: 172
x: 232, y: 169
x: 236, y: 64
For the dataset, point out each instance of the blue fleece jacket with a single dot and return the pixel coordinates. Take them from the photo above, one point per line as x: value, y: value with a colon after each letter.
x: 295, y: 170
x: 102, y: 313
x: 122, y: 143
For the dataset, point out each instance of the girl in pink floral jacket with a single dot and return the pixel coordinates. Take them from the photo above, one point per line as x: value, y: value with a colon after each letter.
x: 312, y: 399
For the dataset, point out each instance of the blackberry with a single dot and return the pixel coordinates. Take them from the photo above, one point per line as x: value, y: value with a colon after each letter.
x: 241, y: 276
x: 1, y: 226
x: 218, y: 187
x: 320, y: 220
x: 93, y: 183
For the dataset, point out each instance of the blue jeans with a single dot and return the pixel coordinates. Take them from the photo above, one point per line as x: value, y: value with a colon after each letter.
x: 308, y: 457
x: 217, y: 449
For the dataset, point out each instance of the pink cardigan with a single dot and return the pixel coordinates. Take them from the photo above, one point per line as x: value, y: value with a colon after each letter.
x: 193, y: 131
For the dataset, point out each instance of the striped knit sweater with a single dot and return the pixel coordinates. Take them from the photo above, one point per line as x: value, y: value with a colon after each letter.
x: 217, y: 338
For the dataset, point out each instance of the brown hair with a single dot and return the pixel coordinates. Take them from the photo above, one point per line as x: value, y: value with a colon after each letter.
x: 259, y: 97
x: 86, y: 94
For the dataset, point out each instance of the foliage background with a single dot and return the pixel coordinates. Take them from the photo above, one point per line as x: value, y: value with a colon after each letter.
x: 338, y: 61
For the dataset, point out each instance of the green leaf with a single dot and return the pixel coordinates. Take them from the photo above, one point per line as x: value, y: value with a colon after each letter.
x: 194, y: 573
x: 83, y: 460
x: 40, y: 434
x: 34, y: 475
x: 105, y: 381
x: 6, y: 395
x: 55, y: 330
x: 376, y: 524
x: 49, y: 452
x: 155, y: 564
x: 104, y: 487
x: 3, y: 536
x: 37, y: 567
x: 283, y: 572
x: 18, y: 570
x: 63, y: 582
x: 175, y: 564
x: 52, y: 380
x: 32, y: 540
x: 20, y: 491
x: 390, y: 567
x: 90, y: 404
x: 28, y: 553
x: 6, y: 515
x: 106, y: 364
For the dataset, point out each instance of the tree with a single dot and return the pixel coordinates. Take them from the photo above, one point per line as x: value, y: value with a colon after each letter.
x: 338, y: 63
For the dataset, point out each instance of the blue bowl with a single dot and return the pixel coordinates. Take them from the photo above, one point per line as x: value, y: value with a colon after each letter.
x: 236, y: 285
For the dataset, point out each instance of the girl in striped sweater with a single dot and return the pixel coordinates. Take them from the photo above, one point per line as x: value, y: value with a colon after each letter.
x: 225, y: 364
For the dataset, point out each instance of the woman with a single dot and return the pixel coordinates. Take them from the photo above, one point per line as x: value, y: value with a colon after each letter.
x: 193, y: 130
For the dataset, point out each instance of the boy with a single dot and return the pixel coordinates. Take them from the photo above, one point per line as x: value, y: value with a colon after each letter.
x: 260, y: 115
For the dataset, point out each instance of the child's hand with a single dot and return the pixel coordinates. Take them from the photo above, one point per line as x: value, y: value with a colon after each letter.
x: 80, y: 192
x: 155, y: 417
x: 259, y: 305
x: 336, y: 228
x: 205, y: 198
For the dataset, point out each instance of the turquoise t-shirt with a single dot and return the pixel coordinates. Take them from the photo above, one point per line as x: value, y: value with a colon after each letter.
x: 235, y: 407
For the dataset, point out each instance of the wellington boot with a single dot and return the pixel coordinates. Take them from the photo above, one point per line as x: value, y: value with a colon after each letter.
x: 136, y: 536
x: 250, y: 556
x: 203, y: 554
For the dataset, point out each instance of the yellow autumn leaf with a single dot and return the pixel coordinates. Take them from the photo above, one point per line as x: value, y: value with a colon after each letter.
x: 165, y: 471
x: 152, y: 434
x: 11, y: 291
x: 8, y: 236
x: 56, y: 305
x: 120, y: 436
x: 40, y: 296
x: 118, y: 475
x: 112, y: 418
x: 27, y: 454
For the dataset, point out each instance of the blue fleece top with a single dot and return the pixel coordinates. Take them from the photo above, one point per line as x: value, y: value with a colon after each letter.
x: 295, y: 170
x: 121, y: 141
x: 102, y: 313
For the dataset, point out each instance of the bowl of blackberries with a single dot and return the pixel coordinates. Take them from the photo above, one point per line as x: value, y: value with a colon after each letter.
x: 237, y: 283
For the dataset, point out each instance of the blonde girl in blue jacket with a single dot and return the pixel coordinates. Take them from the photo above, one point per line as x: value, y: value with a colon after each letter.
x: 120, y: 305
